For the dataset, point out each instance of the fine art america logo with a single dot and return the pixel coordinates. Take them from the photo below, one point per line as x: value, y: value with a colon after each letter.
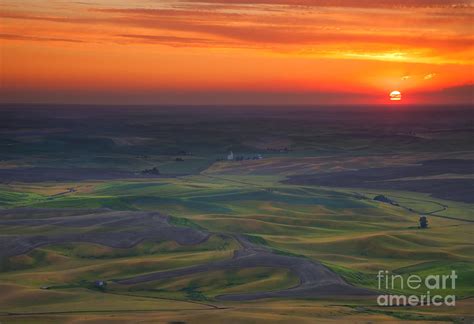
x: 388, y: 281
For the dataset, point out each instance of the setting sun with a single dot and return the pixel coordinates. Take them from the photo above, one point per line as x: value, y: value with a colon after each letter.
x: 395, y: 95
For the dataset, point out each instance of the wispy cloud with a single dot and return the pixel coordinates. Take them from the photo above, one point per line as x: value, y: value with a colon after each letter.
x: 351, y: 3
x: 38, y: 39
x: 358, y: 33
x: 170, y: 40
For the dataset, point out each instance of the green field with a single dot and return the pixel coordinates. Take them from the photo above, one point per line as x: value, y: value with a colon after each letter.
x: 354, y: 236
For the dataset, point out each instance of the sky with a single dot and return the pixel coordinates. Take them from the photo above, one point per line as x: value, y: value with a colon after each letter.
x: 236, y: 52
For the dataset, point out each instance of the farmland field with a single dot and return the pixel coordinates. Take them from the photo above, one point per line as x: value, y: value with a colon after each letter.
x: 289, y: 229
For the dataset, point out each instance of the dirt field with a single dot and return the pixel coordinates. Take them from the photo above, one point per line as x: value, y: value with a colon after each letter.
x: 66, y: 174
x: 315, y: 279
x: 403, y: 178
x: 125, y: 230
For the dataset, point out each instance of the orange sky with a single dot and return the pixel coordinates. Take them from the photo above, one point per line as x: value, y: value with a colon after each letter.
x: 236, y: 52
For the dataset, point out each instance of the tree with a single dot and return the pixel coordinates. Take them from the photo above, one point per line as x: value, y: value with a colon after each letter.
x: 101, y: 285
x: 423, y: 222
x: 153, y: 171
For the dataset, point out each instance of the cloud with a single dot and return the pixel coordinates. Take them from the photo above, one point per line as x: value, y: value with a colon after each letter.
x: 183, y: 97
x: 170, y: 40
x: 406, y: 77
x: 408, y: 35
x: 466, y: 91
x: 271, y: 30
x: 38, y: 39
x: 429, y: 76
x: 462, y: 94
x: 350, y: 3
